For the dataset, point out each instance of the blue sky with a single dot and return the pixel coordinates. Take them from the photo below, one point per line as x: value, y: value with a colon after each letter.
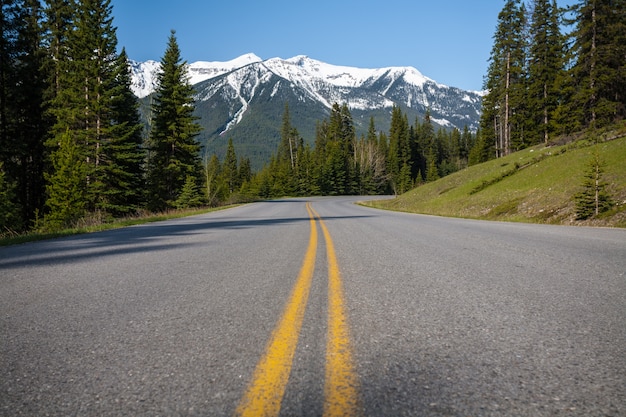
x: 447, y: 40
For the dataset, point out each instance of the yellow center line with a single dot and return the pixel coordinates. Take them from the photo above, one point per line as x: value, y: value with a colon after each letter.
x: 265, y: 393
x: 341, y: 389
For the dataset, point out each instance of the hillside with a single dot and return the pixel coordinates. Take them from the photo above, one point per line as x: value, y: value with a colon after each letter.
x: 534, y: 185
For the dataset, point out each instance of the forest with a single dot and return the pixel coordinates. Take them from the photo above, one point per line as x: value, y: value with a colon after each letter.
x: 74, y: 149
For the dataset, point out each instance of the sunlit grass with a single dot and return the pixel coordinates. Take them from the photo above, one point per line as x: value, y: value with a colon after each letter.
x: 534, y: 185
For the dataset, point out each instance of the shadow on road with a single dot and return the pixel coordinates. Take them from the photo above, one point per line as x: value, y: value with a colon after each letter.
x: 135, y: 239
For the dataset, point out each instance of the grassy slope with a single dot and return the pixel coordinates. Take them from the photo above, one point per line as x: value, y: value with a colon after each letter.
x: 534, y: 185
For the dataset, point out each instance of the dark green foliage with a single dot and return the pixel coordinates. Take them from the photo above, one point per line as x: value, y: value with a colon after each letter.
x: 230, y: 171
x: 546, y: 84
x: 173, y: 149
x: 504, y: 105
x: 189, y: 195
x: 22, y: 123
x: 342, y: 164
x: 545, y: 69
x: 90, y: 98
x: 597, y: 80
x: 594, y: 198
x: 121, y: 177
x: 66, y: 186
x: 9, y: 211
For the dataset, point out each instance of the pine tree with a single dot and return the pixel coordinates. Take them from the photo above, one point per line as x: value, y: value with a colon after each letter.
x: 399, y: 158
x: 85, y: 76
x: 503, y: 108
x: 189, y: 195
x: 594, y: 198
x: 287, y: 150
x: 597, y: 80
x: 174, y: 152
x: 214, y: 190
x: 121, y: 167
x: 22, y: 123
x: 230, y: 171
x: 546, y: 61
x: 66, y: 185
x: 9, y: 211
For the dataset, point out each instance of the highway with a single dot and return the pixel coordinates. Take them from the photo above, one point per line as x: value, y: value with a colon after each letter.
x: 316, y: 307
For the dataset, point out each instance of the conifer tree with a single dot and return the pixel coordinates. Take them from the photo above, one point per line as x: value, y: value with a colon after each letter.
x: 65, y: 187
x: 424, y: 142
x: 214, y: 191
x: 597, y: 80
x: 594, y: 198
x: 121, y: 184
x: 230, y: 171
x: 85, y: 76
x: 546, y: 61
x: 174, y: 152
x: 22, y: 123
x: 287, y: 150
x: 503, y: 107
x: 399, y: 157
x: 9, y: 211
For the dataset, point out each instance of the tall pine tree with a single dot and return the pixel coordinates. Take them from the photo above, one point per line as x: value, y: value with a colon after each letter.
x: 121, y: 168
x: 173, y: 149
x: 23, y: 126
x: 597, y: 80
x: 545, y: 68
x: 503, y: 108
x: 85, y: 81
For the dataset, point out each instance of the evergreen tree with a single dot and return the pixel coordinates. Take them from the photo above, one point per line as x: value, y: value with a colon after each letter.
x: 86, y: 83
x: 9, y: 211
x: 334, y: 152
x: 597, y: 80
x: 424, y: 145
x: 214, y: 189
x: 287, y: 150
x: 189, y: 195
x: 174, y: 152
x: 57, y: 26
x: 65, y: 187
x: 546, y: 61
x: 230, y: 171
x: 22, y: 123
x: 399, y: 158
x: 244, y: 171
x: 503, y: 108
x: 121, y: 173
x: 594, y: 198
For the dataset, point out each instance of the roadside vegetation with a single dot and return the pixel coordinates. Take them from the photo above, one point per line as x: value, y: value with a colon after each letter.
x: 98, y: 225
x: 538, y: 184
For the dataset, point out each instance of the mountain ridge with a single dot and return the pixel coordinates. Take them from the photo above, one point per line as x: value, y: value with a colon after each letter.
x: 244, y: 98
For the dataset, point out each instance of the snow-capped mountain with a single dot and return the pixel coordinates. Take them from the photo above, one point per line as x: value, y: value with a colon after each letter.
x: 144, y: 74
x: 244, y: 99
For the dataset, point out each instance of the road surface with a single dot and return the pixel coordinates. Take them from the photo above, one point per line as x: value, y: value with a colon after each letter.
x: 316, y: 307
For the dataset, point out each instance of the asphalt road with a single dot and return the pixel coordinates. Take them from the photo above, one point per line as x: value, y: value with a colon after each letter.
x: 444, y: 317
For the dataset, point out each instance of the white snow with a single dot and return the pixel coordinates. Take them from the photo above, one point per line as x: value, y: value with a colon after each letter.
x: 316, y: 80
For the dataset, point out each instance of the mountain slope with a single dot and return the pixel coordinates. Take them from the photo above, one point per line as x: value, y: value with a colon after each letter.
x: 533, y: 185
x: 244, y: 99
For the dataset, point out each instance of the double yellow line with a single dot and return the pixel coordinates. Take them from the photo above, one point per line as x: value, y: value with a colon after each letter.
x: 265, y: 392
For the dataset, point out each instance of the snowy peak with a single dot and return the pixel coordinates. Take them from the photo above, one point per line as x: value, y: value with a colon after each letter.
x: 243, y: 99
x: 144, y: 74
x: 300, y: 70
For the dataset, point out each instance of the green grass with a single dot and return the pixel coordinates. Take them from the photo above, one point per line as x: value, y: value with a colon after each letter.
x: 535, y: 185
x: 98, y: 226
